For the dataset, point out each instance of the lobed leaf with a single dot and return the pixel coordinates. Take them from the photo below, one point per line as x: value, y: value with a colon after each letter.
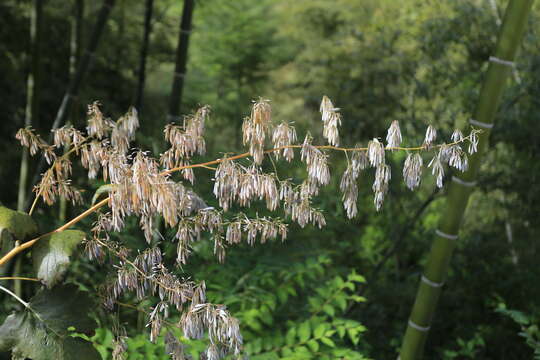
x: 41, y: 331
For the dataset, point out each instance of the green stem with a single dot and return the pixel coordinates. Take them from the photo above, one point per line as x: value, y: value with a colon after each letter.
x: 31, y: 112
x: 429, y: 290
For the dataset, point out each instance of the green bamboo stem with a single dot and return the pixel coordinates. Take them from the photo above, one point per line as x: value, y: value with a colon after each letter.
x: 31, y: 113
x: 32, y: 94
x: 429, y: 290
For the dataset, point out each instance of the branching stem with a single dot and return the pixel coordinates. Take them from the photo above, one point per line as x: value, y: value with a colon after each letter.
x: 18, y: 278
x: 28, y: 244
x: 26, y: 305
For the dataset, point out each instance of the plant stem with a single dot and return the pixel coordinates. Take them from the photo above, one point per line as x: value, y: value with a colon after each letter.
x: 429, y: 290
x: 18, y: 278
x: 149, y: 5
x: 175, y: 101
x: 77, y: 80
x: 15, y: 296
x: 206, y: 165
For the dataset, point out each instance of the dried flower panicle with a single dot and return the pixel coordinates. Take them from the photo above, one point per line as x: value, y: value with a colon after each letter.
x: 174, y: 347
x: 284, y: 135
x: 263, y: 227
x: 359, y: 160
x: 119, y: 343
x: 55, y: 183
x: 393, y: 137
x: 457, y: 136
x: 67, y: 136
x: 456, y: 157
x: 431, y: 136
x: 227, y: 183
x: 412, y: 170
x: 98, y: 125
x: 28, y: 138
x: 139, y: 186
x: 256, y: 127
x: 223, y: 329
x: 473, y: 142
x: 186, y: 140
x: 376, y: 153
x: 380, y: 185
x: 437, y: 168
x: 349, y: 188
x: 155, y: 319
x: 331, y: 119
x: 316, y: 161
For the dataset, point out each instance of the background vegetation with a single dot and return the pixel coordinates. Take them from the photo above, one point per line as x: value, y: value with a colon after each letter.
x: 345, y: 291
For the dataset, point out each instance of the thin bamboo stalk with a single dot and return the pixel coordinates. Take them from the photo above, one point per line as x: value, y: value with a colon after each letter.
x: 148, y: 9
x: 429, y: 290
x: 32, y: 94
x: 75, y: 55
x: 77, y: 80
x: 31, y: 114
x: 181, y: 60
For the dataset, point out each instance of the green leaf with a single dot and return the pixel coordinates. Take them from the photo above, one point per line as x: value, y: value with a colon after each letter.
x: 319, y: 330
x: 41, y: 331
x: 257, y: 345
x: 304, y: 331
x: 356, y: 277
x: 328, y: 342
x: 265, y: 315
x: 286, y: 352
x: 329, y: 309
x: 341, y: 301
x: 14, y: 225
x: 354, y: 335
x: 19, y: 224
x: 314, y: 302
x: 313, y: 345
x: 282, y: 294
x: 101, y: 190
x: 357, y: 298
x: 51, y: 255
x: 341, y: 331
x: 303, y: 352
x: 290, y: 337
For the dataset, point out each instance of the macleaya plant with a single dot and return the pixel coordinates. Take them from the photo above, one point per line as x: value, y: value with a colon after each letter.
x: 143, y: 186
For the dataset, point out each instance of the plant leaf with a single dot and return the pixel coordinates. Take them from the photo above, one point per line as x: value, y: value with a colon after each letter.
x: 19, y: 224
x: 102, y: 189
x: 41, y: 332
x: 304, y: 331
x: 14, y: 225
x: 313, y: 345
x: 51, y: 255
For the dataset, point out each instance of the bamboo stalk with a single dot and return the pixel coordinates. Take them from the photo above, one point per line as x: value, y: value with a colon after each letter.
x: 32, y: 94
x: 75, y: 55
x: 181, y: 60
x: 429, y: 290
x: 77, y: 80
x: 148, y: 8
x: 31, y: 113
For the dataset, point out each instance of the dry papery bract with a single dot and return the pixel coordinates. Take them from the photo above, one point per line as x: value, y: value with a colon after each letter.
x: 143, y: 186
